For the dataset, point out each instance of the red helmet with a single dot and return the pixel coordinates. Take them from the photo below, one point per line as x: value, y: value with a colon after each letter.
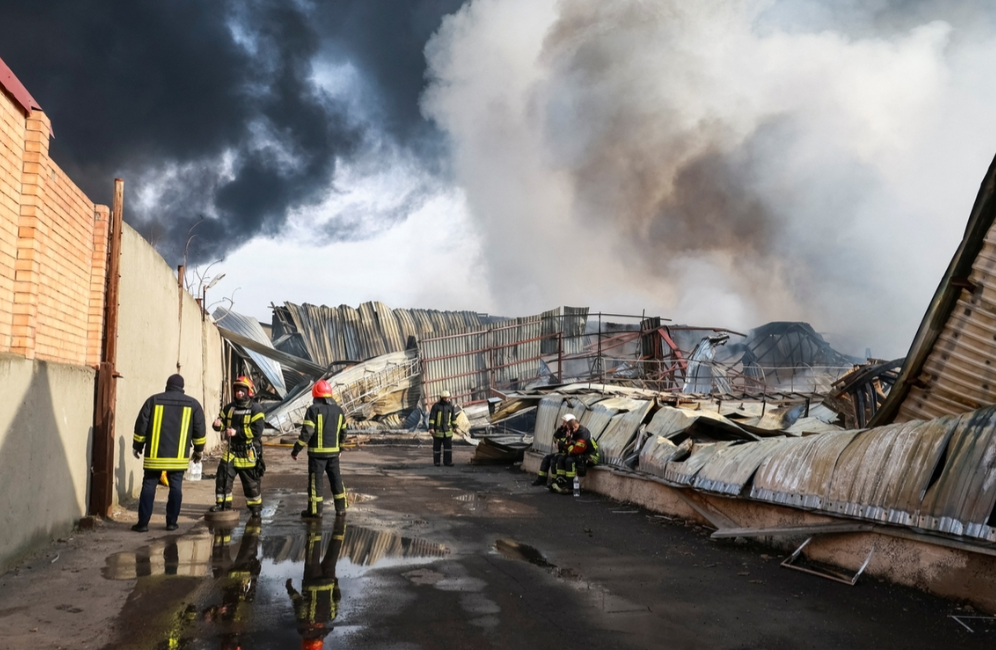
x: 312, y: 644
x: 246, y: 383
x: 321, y: 389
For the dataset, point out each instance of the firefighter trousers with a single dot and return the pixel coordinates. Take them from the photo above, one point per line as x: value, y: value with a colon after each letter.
x: 442, y: 442
x: 317, y: 466
x: 550, y: 460
x: 150, y: 480
x: 225, y: 481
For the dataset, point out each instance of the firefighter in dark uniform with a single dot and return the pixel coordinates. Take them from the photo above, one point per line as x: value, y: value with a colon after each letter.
x: 442, y: 422
x: 242, y: 422
x: 560, y: 444
x: 323, y: 432
x: 581, y: 452
x: 169, y: 424
x: 237, y: 581
x: 317, y: 604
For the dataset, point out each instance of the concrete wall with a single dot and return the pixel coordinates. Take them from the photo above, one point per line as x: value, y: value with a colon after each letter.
x: 45, y: 430
x: 160, y: 331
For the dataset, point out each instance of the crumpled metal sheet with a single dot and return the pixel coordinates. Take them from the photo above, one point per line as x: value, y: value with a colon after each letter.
x: 732, y: 466
x: 684, y: 471
x: 884, y: 472
x: 799, y: 470
x: 961, y: 501
x: 620, y: 431
x: 250, y: 328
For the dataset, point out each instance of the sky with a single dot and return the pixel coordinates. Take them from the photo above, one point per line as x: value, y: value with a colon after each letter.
x: 715, y: 163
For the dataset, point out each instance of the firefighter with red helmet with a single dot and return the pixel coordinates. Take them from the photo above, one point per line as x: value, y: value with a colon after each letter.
x: 581, y: 450
x: 317, y: 604
x: 323, y: 433
x: 242, y: 423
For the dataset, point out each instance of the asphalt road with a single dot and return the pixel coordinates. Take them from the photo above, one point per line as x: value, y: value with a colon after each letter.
x: 460, y: 557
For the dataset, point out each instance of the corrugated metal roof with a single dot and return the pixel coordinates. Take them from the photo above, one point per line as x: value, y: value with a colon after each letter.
x: 729, y: 469
x: 344, y: 333
x: 353, y: 387
x: 684, y: 471
x: 961, y: 500
x: 949, y: 368
x: 798, y: 470
x: 250, y: 328
x: 547, y: 419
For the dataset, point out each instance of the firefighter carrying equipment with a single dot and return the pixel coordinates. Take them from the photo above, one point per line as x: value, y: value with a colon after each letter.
x: 168, y: 425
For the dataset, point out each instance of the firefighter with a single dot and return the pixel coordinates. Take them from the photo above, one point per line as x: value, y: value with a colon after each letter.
x: 317, y: 604
x: 560, y: 444
x: 323, y: 432
x: 581, y: 451
x: 169, y: 424
x: 242, y: 422
x: 442, y: 422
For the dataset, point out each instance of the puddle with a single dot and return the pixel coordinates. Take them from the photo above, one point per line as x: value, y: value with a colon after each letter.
x: 472, y: 497
x: 515, y: 551
x: 251, y: 588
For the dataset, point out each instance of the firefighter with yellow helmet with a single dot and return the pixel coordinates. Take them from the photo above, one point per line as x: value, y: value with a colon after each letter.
x: 442, y: 423
x: 242, y: 424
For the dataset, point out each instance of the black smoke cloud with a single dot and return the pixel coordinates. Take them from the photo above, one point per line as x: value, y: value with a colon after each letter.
x: 211, y: 107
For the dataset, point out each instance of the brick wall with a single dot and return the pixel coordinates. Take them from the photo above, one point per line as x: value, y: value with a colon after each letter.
x: 53, y: 248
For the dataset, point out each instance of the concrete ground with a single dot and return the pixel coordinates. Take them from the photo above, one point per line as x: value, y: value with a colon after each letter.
x: 447, y: 557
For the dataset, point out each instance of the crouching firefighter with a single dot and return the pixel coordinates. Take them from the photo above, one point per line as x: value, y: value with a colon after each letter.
x: 317, y: 604
x: 323, y: 432
x: 581, y: 452
x: 442, y: 422
x: 242, y: 422
x: 560, y: 445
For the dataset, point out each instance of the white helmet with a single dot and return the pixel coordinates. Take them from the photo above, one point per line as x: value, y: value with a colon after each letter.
x: 445, y: 393
x: 568, y: 417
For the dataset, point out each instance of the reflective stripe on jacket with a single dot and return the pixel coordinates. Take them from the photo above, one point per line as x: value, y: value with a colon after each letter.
x: 324, y: 428
x: 168, y: 425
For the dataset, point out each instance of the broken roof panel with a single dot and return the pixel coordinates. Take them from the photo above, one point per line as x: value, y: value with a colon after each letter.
x: 250, y: 328
x: 883, y: 473
x: 621, y: 430
x: 547, y: 421
x: 731, y: 467
x: 962, y: 498
x: 799, y: 470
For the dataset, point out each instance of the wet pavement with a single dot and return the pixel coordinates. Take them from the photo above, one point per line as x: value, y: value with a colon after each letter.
x: 469, y: 557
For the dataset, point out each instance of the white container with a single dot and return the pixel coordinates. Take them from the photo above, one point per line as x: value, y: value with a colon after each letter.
x: 194, y: 471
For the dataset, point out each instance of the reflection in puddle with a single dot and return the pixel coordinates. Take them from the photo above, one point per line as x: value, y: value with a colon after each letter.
x: 256, y: 590
x: 515, y: 551
x: 474, y: 496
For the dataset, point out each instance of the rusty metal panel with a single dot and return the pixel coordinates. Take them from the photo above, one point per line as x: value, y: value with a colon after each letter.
x: 731, y: 467
x: 961, y: 500
x: 621, y: 430
x: 799, y: 470
x: 884, y: 472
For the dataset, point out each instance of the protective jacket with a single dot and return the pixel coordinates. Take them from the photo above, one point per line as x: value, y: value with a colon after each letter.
x: 167, y: 426
x: 581, y: 443
x: 323, y: 430
x: 442, y: 418
x: 247, y: 420
x: 560, y: 437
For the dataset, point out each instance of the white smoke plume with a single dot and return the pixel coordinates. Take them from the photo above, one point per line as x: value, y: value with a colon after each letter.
x: 715, y: 162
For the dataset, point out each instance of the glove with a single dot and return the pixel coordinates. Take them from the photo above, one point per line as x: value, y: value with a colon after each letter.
x: 294, y: 454
x: 196, y: 457
x: 136, y: 453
